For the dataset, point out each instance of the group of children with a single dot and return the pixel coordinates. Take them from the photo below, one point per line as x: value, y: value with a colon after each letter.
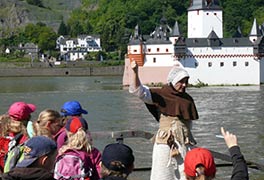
x: 58, y: 145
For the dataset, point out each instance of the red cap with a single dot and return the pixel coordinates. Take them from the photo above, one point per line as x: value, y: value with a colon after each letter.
x: 199, y: 156
x: 20, y: 111
x: 76, y: 123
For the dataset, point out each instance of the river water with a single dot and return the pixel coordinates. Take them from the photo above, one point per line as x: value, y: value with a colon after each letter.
x: 111, y: 108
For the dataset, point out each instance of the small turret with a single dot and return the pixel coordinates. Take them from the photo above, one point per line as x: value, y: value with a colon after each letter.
x: 255, y: 32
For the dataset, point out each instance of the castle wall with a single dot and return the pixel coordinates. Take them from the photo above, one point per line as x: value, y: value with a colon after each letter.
x: 202, y: 22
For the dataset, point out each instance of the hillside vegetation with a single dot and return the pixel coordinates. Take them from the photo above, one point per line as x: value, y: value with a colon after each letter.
x: 114, y: 20
x: 18, y: 13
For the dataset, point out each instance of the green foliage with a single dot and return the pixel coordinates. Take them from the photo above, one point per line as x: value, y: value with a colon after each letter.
x: 111, y: 63
x: 63, y: 30
x: 42, y: 35
x: 239, y: 13
x: 13, y: 58
x: 115, y: 20
x: 97, y: 56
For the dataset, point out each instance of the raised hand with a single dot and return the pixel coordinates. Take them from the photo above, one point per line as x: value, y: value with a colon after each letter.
x: 134, y: 65
x: 230, y: 139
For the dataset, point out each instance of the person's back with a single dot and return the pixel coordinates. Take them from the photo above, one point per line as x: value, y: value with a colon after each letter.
x: 68, y: 110
x: 117, y: 162
x: 77, y: 147
x: 13, y: 130
x: 38, y: 162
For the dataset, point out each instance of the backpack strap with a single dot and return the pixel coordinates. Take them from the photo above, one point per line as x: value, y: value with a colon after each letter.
x: 14, y: 142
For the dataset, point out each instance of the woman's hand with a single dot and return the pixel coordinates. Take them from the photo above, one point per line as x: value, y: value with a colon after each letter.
x: 134, y: 65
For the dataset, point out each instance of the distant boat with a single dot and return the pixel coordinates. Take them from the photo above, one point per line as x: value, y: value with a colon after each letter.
x: 208, y: 57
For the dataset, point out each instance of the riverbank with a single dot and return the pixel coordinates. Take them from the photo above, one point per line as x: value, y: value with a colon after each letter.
x: 18, y: 69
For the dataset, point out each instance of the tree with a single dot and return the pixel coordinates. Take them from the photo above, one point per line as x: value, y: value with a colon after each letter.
x: 47, y: 39
x: 42, y: 35
x: 63, y: 30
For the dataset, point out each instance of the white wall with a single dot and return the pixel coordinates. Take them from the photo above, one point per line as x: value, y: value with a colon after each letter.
x: 164, y: 57
x: 226, y: 74
x: 202, y: 22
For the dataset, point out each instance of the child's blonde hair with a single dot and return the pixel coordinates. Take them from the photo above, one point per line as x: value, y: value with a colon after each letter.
x: 45, y: 116
x: 78, y: 141
x: 4, y: 120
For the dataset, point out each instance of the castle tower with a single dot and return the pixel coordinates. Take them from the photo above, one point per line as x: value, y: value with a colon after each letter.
x: 203, y: 17
x: 255, y: 32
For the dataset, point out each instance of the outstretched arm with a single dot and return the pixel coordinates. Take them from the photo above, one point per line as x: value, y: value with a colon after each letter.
x: 240, y: 171
x: 135, y: 82
x: 136, y: 87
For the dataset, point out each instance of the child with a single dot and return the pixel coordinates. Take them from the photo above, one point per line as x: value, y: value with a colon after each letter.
x: 38, y: 163
x: 79, y: 148
x: 49, y: 123
x: 13, y: 127
x: 19, y: 114
x: 117, y: 162
x: 69, y: 109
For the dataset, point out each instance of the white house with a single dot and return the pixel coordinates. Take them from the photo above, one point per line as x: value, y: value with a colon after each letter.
x: 72, y: 49
x: 208, y: 57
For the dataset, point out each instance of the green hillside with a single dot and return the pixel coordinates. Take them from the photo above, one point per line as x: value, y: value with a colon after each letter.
x: 17, y: 13
x: 113, y: 20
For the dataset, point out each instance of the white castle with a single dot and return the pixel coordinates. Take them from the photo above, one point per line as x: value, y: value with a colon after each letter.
x: 205, y: 53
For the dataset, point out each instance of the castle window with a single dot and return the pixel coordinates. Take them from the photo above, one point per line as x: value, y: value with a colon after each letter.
x: 167, y: 50
x: 221, y: 64
x: 215, y: 14
x: 135, y: 50
x: 234, y: 63
x: 207, y: 14
x: 210, y: 64
x: 154, y: 60
x: 149, y: 50
x: 158, y: 49
x: 246, y: 63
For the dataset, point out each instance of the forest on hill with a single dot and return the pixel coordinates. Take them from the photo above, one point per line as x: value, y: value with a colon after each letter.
x: 114, y: 20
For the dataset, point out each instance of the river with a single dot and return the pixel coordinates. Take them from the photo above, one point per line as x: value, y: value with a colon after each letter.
x: 111, y: 108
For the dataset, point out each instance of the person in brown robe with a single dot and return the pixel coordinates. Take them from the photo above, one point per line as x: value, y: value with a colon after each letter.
x: 175, y: 109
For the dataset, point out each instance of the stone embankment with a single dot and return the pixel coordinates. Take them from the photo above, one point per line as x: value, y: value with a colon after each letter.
x: 65, y: 69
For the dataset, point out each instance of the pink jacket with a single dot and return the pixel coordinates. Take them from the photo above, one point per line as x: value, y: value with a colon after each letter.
x: 96, y: 157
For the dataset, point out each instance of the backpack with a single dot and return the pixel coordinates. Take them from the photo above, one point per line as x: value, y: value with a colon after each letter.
x: 71, y: 167
x: 15, y: 153
x: 4, y: 141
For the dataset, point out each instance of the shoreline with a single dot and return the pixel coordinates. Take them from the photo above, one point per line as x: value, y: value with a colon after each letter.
x: 42, y: 69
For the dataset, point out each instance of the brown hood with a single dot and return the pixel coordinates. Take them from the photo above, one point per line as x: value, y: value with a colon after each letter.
x: 172, y: 103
